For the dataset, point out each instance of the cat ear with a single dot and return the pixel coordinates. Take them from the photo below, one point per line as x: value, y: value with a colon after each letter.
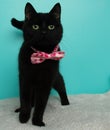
x: 56, y: 11
x: 29, y: 11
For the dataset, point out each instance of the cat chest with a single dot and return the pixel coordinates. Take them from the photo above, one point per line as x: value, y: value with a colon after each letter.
x: 40, y: 74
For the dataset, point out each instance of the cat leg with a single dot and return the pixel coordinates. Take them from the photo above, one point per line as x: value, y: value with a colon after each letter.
x: 25, y: 102
x: 17, y: 24
x: 32, y: 101
x: 32, y: 105
x: 41, y: 101
x: 59, y: 86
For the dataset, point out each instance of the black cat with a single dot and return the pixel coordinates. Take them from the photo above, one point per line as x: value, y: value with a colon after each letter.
x: 43, y: 32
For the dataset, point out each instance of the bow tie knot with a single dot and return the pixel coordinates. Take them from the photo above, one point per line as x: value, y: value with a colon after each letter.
x: 39, y: 56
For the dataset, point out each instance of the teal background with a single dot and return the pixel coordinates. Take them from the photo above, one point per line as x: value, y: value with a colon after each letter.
x: 86, y: 41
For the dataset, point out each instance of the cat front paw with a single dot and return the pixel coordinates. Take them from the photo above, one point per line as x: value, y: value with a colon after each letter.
x: 18, y: 110
x: 37, y: 122
x: 24, y: 117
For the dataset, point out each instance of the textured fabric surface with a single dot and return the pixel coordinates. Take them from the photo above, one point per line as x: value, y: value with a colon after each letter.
x: 86, y: 112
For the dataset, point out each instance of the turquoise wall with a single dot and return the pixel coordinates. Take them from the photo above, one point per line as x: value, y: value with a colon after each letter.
x: 86, y: 41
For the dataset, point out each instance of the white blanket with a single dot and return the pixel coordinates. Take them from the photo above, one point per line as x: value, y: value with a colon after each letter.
x: 85, y: 112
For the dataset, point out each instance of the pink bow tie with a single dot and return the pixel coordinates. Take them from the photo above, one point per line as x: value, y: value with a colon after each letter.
x: 39, y: 56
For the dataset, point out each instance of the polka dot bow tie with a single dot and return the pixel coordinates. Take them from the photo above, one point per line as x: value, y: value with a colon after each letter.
x: 39, y: 56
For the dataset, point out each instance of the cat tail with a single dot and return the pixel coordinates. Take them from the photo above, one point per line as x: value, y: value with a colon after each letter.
x: 17, y: 24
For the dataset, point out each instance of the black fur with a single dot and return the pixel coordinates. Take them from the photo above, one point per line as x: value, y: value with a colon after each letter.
x: 36, y: 80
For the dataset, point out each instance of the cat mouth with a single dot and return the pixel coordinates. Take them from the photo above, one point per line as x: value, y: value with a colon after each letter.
x: 44, y: 39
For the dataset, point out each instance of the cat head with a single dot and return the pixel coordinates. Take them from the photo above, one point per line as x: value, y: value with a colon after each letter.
x: 44, y: 29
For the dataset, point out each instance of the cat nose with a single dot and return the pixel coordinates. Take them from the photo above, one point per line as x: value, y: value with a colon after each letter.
x: 43, y: 32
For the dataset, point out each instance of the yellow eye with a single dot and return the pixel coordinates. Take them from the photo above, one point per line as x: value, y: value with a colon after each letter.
x: 35, y: 27
x: 51, y: 27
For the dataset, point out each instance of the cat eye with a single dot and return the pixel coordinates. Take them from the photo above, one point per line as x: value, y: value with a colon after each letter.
x: 51, y: 27
x: 35, y: 27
